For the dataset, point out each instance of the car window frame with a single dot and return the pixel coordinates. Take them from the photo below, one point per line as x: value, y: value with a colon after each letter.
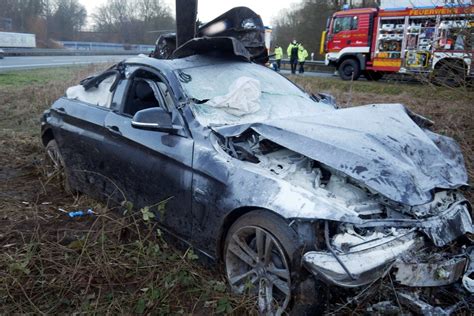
x: 174, y: 110
x: 127, y: 91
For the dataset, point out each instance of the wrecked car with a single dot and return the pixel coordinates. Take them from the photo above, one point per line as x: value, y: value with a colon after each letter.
x: 285, y: 188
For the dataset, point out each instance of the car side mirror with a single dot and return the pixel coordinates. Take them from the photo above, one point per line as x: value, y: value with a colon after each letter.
x: 156, y: 119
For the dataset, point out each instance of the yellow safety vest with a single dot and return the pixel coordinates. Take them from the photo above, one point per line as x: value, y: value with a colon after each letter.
x: 278, y: 53
x: 302, y: 54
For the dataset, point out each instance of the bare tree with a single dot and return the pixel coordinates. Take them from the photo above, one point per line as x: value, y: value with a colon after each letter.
x: 65, y: 18
x: 133, y: 19
x: 22, y: 12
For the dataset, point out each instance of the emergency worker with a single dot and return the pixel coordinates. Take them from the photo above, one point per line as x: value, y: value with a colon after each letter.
x: 292, y: 52
x: 302, y: 55
x: 278, y: 56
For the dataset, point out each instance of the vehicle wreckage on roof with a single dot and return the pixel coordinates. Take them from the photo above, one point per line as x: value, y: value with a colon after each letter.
x: 285, y: 188
x: 237, y: 32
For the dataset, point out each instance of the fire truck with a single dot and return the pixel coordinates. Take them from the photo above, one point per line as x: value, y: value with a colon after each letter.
x: 436, y: 42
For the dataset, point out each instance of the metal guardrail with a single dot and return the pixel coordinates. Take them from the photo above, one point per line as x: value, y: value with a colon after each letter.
x: 309, y: 65
x: 286, y: 61
x: 67, y: 52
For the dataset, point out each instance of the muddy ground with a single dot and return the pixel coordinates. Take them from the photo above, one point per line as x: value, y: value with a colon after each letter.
x: 107, y: 263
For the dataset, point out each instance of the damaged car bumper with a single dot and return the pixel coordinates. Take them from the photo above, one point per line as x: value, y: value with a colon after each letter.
x: 360, y: 260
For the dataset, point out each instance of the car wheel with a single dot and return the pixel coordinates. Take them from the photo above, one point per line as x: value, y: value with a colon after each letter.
x: 258, y: 253
x: 349, y: 69
x: 57, y: 163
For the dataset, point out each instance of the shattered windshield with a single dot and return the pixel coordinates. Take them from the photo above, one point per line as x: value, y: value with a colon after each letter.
x: 239, y: 93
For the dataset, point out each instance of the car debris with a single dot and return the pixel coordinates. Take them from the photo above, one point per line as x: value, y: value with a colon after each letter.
x: 440, y: 272
x: 286, y: 189
x: 468, y: 277
x: 384, y: 308
x: 80, y: 213
x: 418, y: 306
x: 239, y: 31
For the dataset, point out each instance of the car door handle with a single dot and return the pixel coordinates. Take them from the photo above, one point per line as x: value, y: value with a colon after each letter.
x: 113, y: 129
x: 60, y: 110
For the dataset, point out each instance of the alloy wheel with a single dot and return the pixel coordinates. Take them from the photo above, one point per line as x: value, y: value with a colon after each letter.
x: 256, y: 263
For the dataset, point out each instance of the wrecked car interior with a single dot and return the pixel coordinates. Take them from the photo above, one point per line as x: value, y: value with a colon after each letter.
x: 287, y: 190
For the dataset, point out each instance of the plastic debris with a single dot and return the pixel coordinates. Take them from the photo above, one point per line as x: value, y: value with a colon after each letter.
x: 80, y: 213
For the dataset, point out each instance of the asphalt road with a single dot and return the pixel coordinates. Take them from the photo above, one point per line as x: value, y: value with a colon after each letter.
x: 30, y: 62
x: 23, y: 63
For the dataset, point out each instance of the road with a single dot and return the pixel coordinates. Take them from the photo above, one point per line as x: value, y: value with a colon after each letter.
x: 22, y: 63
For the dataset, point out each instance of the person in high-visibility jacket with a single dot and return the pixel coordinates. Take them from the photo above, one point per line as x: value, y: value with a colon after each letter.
x: 292, y: 52
x: 278, y: 56
x: 302, y: 55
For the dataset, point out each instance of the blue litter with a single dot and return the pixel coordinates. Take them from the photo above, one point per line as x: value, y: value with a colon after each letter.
x: 80, y: 213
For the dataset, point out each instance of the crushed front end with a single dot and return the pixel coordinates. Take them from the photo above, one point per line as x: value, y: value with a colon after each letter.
x: 418, y: 248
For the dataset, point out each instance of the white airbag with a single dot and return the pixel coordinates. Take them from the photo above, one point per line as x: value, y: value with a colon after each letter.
x: 100, y: 96
x: 243, y: 97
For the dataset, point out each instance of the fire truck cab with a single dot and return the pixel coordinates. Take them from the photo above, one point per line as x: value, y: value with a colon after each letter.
x: 437, y: 42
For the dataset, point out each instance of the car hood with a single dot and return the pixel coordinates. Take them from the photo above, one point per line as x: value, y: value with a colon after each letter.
x: 379, y: 146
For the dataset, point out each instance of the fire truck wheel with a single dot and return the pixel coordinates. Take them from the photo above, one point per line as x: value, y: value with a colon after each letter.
x: 448, y: 75
x: 373, y: 75
x: 349, y: 69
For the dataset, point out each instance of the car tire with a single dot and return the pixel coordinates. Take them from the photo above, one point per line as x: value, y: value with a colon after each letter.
x: 56, y: 164
x: 268, y: 270
x: 373, y: 75
x: 349, y: 69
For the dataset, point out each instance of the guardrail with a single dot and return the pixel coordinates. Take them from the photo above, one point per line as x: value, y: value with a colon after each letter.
x: 309, y: 65
x: 67, y: 52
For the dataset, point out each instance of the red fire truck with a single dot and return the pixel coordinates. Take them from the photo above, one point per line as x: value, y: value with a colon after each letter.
x: 436, y: 41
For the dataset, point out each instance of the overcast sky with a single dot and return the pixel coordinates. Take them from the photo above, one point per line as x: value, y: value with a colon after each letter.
x: 209, y: 9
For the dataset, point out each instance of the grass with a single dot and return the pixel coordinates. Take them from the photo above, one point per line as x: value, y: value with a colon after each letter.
x: 37, y: 76
x: 114, y: 264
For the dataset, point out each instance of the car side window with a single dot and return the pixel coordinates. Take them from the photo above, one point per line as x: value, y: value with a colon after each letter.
x: 99, y: 95
x: 143, y: 94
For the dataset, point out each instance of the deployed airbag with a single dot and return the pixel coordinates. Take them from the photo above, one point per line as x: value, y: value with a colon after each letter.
x: 243, y: 97
x: 99, y: 95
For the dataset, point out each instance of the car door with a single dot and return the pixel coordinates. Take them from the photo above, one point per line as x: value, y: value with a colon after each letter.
x: 78, y: 126
x: 150, y: 166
